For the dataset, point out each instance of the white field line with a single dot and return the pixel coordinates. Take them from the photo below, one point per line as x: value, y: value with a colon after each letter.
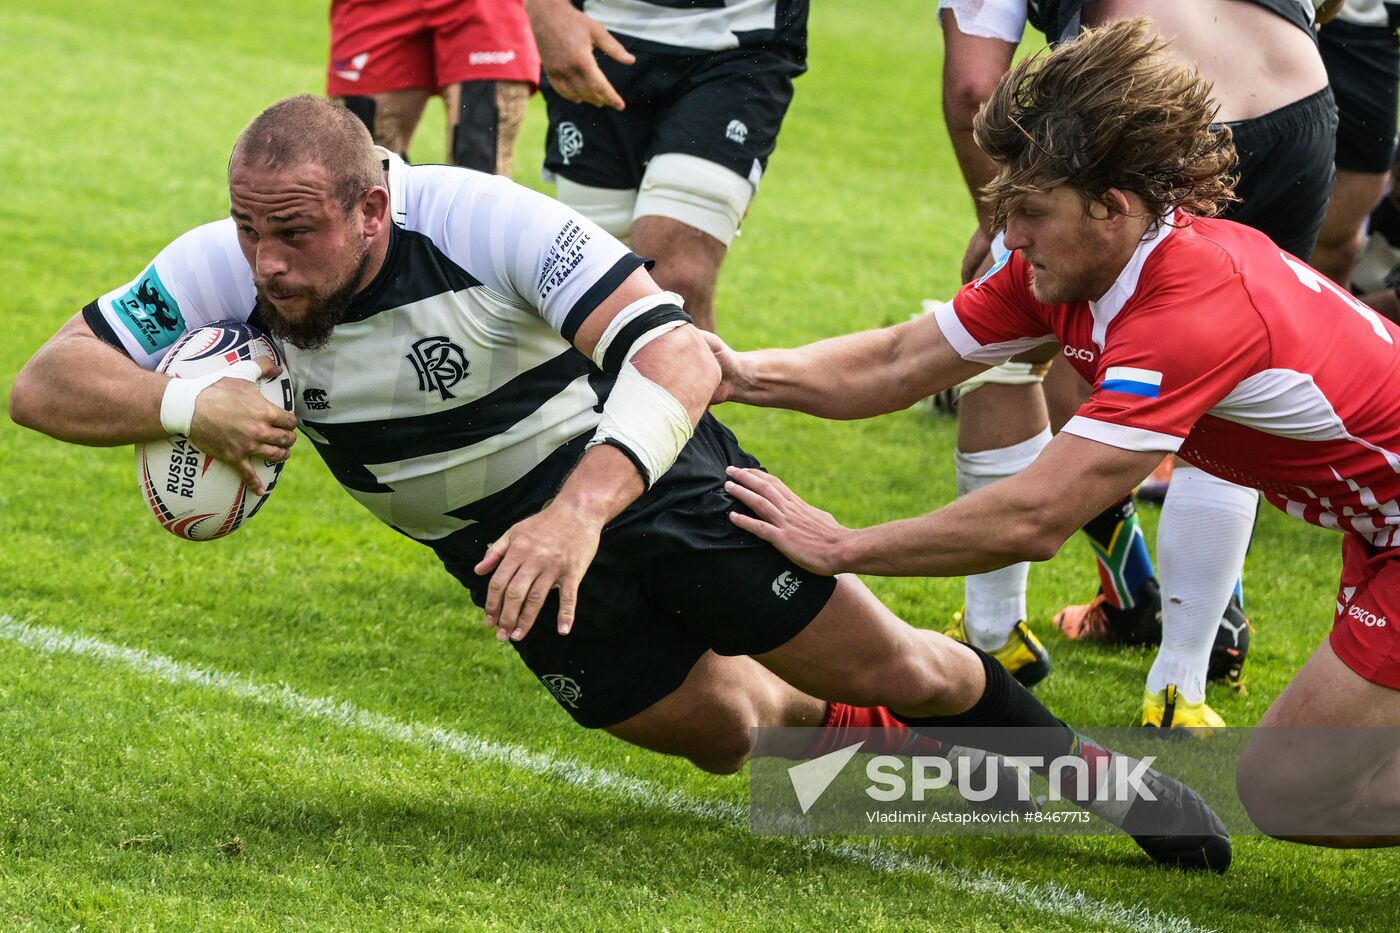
x: 1045, y: 898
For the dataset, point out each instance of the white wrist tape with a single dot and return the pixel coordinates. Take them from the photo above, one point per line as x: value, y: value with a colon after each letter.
x: 177, y: 405
x: 646, y: 421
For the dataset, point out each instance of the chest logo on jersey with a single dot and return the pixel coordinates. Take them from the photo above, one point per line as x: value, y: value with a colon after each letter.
x: 440, y: 365
x: 150, y: 313
x: 1078, y: 353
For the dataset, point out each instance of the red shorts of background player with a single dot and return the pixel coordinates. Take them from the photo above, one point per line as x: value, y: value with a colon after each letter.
x: 1366, y: 632
x: 395, y: 45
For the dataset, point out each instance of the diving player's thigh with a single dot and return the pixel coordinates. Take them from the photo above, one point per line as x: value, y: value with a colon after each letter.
x: 857, y: 651
x: 707, y: 719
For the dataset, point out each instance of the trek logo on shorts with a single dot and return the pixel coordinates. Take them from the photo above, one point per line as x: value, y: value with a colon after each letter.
x: 565, y: 689
x: 570, y: 141
x: 440, y: 365
x: 150, y: 313
x: 736, y: 132
x: 786, y: 584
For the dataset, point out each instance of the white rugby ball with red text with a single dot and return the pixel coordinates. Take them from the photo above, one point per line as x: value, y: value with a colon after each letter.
x: 190, y: 493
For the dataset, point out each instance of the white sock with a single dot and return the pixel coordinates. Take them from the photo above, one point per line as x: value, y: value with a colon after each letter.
x: 994, y: 602
x: 1201, y: 541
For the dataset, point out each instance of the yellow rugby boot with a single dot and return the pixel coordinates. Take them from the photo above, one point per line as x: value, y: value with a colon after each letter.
x: 1023, y: 656
x: 1167, y: 710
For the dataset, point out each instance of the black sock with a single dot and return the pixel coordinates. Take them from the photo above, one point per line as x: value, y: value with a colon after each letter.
x: 1007, y: 720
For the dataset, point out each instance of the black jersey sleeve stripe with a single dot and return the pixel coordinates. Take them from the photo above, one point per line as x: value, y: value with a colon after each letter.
x: 621, y: 346
x: 395, y: 439
x: 101, y: 328
x: 600, y: 290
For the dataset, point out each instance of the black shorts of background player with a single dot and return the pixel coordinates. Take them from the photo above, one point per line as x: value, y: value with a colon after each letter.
x: 1362, y: 54
x: 663, y: 139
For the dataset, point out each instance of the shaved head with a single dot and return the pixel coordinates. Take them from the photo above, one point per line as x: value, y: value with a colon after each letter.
x: 308, y: 130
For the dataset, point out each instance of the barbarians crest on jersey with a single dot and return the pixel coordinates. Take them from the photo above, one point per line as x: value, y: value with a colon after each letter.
x: 570, y: 141
x: 440, y: 365
x: 565, y: 689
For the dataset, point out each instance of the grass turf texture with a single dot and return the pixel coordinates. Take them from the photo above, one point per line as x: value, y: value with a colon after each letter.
x: 128, y: 802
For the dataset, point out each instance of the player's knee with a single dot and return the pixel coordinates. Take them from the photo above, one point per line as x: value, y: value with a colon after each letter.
x: 913, y: 682
x: 696, y: 192
x: 609, y: 208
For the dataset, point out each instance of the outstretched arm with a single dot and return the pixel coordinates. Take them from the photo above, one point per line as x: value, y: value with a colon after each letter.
x: 856, y: 376
x: 1024, y: 517
x: 79, y: 389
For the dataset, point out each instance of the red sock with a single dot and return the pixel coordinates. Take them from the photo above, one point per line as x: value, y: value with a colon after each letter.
x: 883, y: 734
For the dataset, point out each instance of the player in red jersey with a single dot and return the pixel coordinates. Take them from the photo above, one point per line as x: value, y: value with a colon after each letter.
x: 389, y: 56
x: 1199, y: 336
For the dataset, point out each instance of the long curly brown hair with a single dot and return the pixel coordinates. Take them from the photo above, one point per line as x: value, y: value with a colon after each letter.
x: 1107, y: 110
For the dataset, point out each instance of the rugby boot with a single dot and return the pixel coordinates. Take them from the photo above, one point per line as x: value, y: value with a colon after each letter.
x: 1231, y: 646
x: 1166, y: 709
x: 1023, y: 656
x: 1100, y: 621
x: 1178, y: 828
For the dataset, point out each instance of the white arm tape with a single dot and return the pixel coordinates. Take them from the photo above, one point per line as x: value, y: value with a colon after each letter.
x: 177, y: 405
x: 625, y: 316
x: 646, y: 421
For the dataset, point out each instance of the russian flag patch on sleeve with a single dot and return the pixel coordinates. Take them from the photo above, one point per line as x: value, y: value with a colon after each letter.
x: 1144, y: 382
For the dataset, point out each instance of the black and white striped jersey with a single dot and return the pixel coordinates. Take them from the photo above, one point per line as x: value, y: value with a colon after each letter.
x: 705, y: 25
x: 451, y: 394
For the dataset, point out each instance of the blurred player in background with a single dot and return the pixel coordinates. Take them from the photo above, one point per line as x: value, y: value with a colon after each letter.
x: 389, y: 56
x: 1362, y: 54
x: 1273, y: 94
x: 662, y: 138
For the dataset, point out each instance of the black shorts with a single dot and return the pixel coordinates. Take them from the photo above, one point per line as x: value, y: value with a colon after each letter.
x: 1363, y: 65
x: 1286, y: 171
x: 673, y: 578
x: 725, y: 107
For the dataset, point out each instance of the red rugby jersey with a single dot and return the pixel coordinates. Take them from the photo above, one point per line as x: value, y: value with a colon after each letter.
x: 1215, y: 344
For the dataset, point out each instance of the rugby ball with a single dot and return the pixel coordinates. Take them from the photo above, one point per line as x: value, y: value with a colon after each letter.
x: 190, y: 493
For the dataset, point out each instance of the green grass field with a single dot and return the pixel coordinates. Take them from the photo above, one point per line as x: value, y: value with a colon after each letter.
x: 304, y: 726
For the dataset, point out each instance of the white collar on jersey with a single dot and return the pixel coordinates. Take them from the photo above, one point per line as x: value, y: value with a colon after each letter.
x: 398, y: 171
x: 1122, y: 289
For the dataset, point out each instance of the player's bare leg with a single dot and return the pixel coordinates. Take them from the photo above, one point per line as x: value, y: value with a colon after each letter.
x: 392, y: 117
x: 687, y: 262
x: 1329, y: 775
x: 1002, y: 427
x: 709, y: 717
x: 1354, y: 196
x: 483, y: 123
